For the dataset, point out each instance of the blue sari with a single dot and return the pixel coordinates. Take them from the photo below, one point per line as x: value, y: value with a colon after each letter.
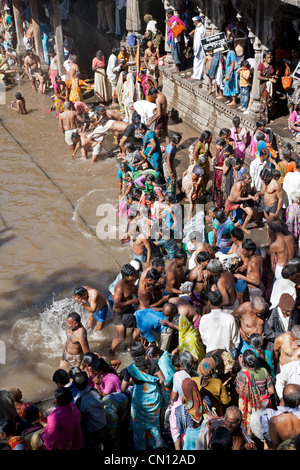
x: 146, y: 403
x: 230, y: 87
x: 156, y: 156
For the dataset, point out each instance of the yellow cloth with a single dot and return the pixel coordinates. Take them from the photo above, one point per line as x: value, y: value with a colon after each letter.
x: 189, y: 339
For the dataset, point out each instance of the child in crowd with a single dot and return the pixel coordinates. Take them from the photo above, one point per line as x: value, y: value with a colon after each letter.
x: 19, y: 105
x: 244, y: 74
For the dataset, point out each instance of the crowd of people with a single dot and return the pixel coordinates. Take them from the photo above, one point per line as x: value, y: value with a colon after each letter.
x: 212, y: 314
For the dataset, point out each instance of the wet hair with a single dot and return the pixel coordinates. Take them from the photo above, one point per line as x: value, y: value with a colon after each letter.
x: 249, y: 245
x: 153, y: 351
x: 80, y: 380
x: 205, y: 135
x: 89, y: 357
x: 275, y: 174
x: 180, y: 254
x: 61, y: 376
x: 256, y: 341
x: 128, y: 270
x: 220, y: 215
x: 228, y: 149
x: 73, y: 371
x: 224, y: 131
x: 152, y: 274
x: 294, y: 262
x: 150, y: 177
x: 63, y: 395
x: 187, y: 362
x: 266, y: 53
x: 237, y: 233
x: 128, y: 320
x: 260, y: 123
x: 250, y: 358
x: 202, y: 256
x: 221, y: 439
x: 8, y: 427
x: 176, y: 137
x: 265, y: 174
x: 221, y: 142
x: 100, y: 365
x: 80, y: 291
x: 152, y: 91
x: 288, y: 271
x: 278, y: 226
x: 18, y: 95
x: 215, y: 298
x: 159, y: 263
x: 75, y: 317
x: 138, y: 353
x: 142, y: 127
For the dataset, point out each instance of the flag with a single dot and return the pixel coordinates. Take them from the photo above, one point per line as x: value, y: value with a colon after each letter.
x: 138, y: 59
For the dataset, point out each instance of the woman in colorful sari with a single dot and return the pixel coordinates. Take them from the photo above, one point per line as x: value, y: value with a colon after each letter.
x: 254, y: 387
x: 151, y: 147
x: 190, y: 414
x: 60, y: 93
x: 294, y: 123
x: 100, y: 79
x: 225, y: 225
x: 210, y: 386
x: 241, y: 138
x: 189, y: 339
x: 217, y: 174
x: 164, y: 361
x: 8, y: 434
x: 75, y: 91
x: 116, y: 406
x: 267, y: 79
x: 149, y: 397
x: 230, y: 87
x: 211, y: 218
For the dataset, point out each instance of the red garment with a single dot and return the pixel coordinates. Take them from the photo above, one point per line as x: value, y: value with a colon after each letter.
x: 98, y: 63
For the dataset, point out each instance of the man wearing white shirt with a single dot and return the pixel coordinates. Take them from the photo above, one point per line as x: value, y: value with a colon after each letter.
x: 256, y: 166
x: 289, y: 374
x: 280, y: 320
x: 291, y: 183
x: 219, y: 330
x: 199, y: 54
x: 284, y: 285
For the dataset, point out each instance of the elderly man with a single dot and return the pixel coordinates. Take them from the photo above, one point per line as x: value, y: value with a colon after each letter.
x: 224, y: 283
x: 199, y: 54
x: 232, y: 420
x: 250, y: 316
x: 76, y: 345
x: 287, y: 347
x: 280, y: 319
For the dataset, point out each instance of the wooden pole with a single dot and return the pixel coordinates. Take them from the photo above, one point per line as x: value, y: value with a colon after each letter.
x: 16, y: 5
x: 37, y: 32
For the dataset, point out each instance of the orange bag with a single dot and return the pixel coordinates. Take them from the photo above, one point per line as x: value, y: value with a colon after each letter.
x: 287, y: 79
x: 178, y: 29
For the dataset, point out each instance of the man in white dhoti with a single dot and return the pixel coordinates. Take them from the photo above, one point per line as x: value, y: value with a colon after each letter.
x: 199, y: 54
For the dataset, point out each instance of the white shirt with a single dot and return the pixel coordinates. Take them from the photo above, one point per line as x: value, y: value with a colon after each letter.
x: 289, y: 374
x: 290, y: 184
x: 255, y: 168
x: 219, y: 330
x: 282, y: 286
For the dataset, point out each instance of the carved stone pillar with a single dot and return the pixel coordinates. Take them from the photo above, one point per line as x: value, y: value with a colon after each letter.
x: 58, y: 36
x: 37, y: 32
x: 16, y: 5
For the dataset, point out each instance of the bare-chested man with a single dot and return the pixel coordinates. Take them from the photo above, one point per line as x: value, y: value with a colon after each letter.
x: 82, y: 142
x: 250, y: 316
x: 286, y: 425
x: 94, y: 303
x: 161, y: 114
x: 32, y: 64
x: 124, y: 300
x: 199, y: 275
x: 67, y: 121
x: 272, y: 197
x: 76, y: 345
x: 71, y: 70
x: 108, y: 126
x: 237, y: 238
x: 223, y: 281
x: 254, y: 270
x: 237, y: 201
x: 175, y: 274
x: 140, y: 244
x: 147, y: 294
x: 287, y: 347
x: 282, y: 249
x: 151, y: 58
